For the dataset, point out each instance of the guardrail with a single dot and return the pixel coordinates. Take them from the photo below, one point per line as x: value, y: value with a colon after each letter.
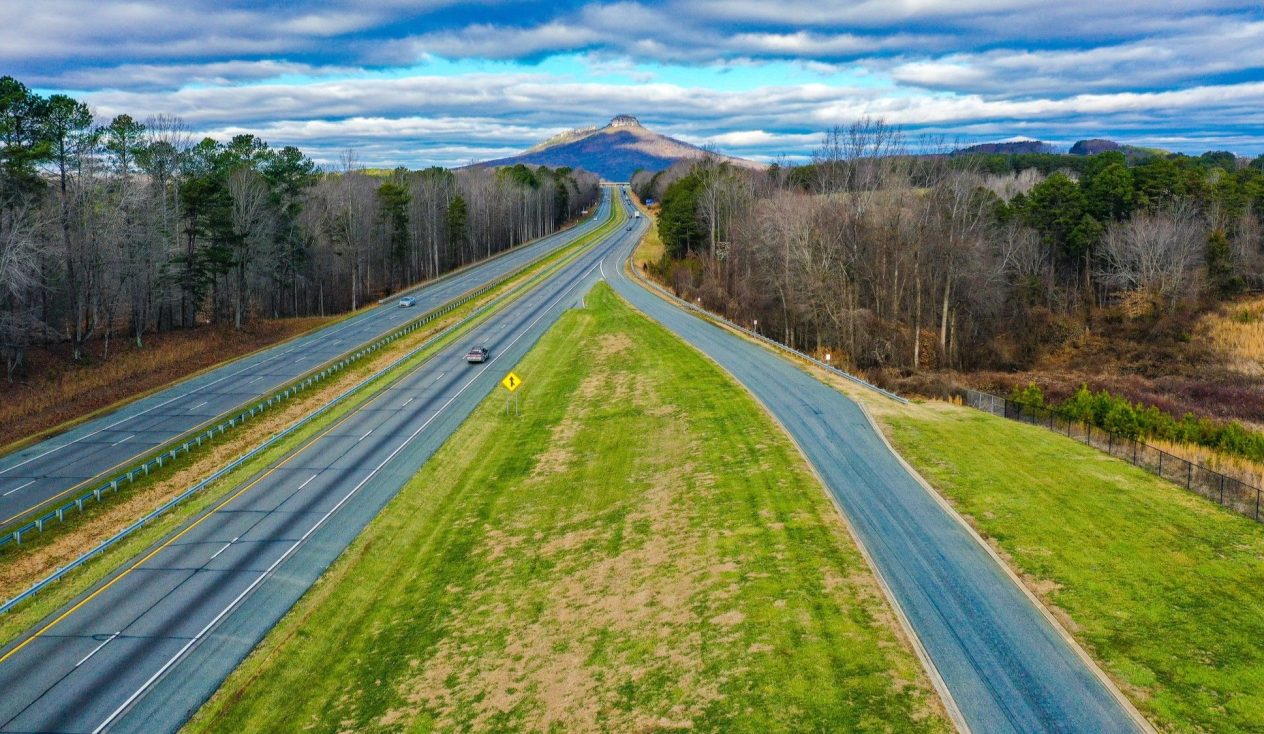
x: 186, y: 443
x: 771, y: 342
x: 1226, y: 491
x: 244, y: 458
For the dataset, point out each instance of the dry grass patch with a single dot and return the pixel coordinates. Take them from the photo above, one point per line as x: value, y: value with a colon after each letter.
x: 1236, y: 333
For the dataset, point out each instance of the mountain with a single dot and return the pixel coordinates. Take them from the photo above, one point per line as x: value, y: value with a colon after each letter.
x: 613, y: 152
x: 1009, y: 147
x: 1093, y: 146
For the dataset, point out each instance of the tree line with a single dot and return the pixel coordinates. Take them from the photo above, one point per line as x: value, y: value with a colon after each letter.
x: 889, y: 259
x: 123, y: 228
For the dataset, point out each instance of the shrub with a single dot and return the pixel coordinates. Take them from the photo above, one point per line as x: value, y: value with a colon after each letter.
x: 1116, y: 414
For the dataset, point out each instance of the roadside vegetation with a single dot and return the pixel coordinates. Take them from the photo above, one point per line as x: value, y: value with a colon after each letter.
x: 695, y: 577
x: 59, y: 391
x: 1163, y: 588
x: 1236, y: 333
x: 121, y: 229
x: 1123, y: 270
x: 42, y: 553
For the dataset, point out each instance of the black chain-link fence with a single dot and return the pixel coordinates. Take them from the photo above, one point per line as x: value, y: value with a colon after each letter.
x: 1225, y: 490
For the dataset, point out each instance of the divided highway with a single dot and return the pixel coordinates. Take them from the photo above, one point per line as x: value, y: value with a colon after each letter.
x: 150, y: 644
x: 1006, y: 667
x: 144, y: 650
x: 54, y: 469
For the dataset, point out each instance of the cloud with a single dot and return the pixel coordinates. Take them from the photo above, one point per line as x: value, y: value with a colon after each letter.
x: 435, y: 81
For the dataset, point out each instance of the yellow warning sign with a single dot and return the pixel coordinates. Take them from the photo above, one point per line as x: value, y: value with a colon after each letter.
x: 511, y: 382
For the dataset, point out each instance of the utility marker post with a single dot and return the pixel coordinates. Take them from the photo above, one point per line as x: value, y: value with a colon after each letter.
x: 511, y: 383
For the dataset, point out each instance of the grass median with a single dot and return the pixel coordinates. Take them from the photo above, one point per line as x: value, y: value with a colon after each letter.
x: 640, y: 550
x: 21, y: 566
x: 1163, y: 588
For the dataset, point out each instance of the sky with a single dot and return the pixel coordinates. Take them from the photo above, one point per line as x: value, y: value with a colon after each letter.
x: 422, y: 82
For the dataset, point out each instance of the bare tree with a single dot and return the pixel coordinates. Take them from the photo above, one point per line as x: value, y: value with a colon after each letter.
x: 1155, y: 252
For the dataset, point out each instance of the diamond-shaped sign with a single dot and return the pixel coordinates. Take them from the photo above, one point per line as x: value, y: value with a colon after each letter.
x: 511, y: 382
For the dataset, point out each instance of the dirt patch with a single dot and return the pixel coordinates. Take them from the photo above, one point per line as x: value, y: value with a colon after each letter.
x: 602, y: 605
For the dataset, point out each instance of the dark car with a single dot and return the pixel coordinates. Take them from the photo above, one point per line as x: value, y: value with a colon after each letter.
x: 476, y: 355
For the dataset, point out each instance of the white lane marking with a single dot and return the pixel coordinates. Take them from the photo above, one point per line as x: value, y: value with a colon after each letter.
x: 20, y: 486
x: 309, y: 481
x: 355, y: 323
x: 319, y: 523
x: 358, y: 440
x: 204, y: 402
x: 97, y: 649
x: 221, y: 550
x: 260, y: 377
x: 602, y: 267
x: 121, y: 440
x: 406, y: 402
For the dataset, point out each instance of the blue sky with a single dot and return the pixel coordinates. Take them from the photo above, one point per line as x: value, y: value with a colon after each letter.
x: 416, y: 82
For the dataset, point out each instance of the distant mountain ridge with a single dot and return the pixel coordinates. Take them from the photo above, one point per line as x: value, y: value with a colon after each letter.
x: 1009, y: 147
x: 1090, y: 146
x: 613, y: 152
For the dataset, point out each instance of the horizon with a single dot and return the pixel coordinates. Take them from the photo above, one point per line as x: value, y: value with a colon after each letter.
x: 457, y: 83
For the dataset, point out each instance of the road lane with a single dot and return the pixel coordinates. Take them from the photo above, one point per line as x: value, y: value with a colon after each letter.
x: 54, y: 468
x: 1007, y: 668
x: 180, y: 618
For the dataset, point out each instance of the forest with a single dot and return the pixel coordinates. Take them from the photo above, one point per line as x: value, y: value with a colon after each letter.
x: 894, y: 260
x: 120, y: 228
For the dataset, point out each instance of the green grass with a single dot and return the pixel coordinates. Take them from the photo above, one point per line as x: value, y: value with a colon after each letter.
x: 640, y: 550
x: 1163, y: 588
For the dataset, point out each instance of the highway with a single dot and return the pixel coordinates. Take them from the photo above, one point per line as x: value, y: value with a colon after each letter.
x: 58, y: 467
x: 143, y: 650
x: 1006, y: 667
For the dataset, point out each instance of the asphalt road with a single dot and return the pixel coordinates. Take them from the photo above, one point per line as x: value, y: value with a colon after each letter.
x: 1007, y: 668
x: 59, y: 466
x: 146, y: 648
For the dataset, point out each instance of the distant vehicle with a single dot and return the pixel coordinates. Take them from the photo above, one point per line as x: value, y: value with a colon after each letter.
x: 407, y: 302
x: 636, y: 216
x: 477, y: 355
x: 629, y: 228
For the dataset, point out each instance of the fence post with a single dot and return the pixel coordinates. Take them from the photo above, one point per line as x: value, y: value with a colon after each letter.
x: 1134, y: 452
x: 1222, y: 478
x: 1189, y: 475
x: 1160, y: 463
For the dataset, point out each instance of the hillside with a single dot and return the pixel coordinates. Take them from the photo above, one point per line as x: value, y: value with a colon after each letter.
x: 1007, y: 146
x: 613, y: 152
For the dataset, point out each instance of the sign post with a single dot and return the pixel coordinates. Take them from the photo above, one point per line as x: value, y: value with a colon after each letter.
x: 511, y: 383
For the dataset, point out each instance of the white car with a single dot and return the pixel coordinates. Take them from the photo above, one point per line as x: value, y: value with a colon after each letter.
x: 407, y: 302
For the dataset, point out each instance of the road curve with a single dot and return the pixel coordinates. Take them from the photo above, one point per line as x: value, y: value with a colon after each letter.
x: 54, y: 469
x: 146, y: 648
x: 1006, y: 667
